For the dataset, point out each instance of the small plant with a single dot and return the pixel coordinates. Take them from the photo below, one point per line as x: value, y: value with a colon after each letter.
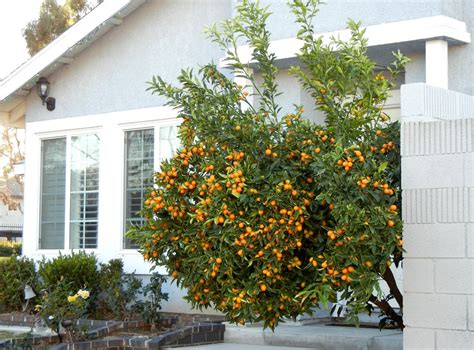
x: 15, y: 273
x: 62, y: 308
x: 119, y: 291
x: 154, y: 296
x: 77, y: 270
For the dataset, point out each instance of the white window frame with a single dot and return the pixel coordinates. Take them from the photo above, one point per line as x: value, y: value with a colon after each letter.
x: 67, y: 200
x: 111, y: 128
x: 155, y: 125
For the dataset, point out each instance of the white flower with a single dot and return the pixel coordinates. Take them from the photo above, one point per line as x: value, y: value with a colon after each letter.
x: 51, y: 317
x: 84, y: 294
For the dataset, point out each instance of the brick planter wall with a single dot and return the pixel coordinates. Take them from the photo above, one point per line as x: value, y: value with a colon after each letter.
x: 17, y: 319
x: 188, y: 335
x: 195, y: 333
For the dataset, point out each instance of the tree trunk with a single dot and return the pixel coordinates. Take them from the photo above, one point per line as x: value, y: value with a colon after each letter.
x: 392, y: 284
x: 388, y: 310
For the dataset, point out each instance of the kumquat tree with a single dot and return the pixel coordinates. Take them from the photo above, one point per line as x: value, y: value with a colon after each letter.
x: 265, y: 216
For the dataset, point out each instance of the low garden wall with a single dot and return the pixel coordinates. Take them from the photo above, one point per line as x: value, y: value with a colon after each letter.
x: 101, y: 335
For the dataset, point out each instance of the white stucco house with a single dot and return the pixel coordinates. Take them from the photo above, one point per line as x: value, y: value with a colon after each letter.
x: 88, y: 160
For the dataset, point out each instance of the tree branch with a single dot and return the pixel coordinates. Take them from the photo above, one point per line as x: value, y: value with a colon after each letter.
x: 388, y: 310
x: 392, y: 284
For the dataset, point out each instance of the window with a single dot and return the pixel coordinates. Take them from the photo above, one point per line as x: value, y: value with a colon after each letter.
x: 53, y: 193
x: 84, y: 192
x: 139, y: 159
x: 140, y: 149
x: 69, y: 179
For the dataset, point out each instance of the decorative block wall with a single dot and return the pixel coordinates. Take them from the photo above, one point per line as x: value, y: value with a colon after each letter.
x: 438, y: 213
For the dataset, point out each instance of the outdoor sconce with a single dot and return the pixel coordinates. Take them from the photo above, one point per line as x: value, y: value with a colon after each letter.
x: 42, y: 88
x: 29, y: 293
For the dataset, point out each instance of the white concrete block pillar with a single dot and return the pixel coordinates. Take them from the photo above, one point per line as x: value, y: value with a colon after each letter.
x: 247, y: 86
x: 436, y: 53
x: 438, y: 215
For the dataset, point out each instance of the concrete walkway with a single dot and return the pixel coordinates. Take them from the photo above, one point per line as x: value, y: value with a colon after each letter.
x: 312, y: 336
x: 228, y: 346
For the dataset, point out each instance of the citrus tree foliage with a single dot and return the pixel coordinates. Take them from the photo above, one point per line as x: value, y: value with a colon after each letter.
x: 53, y: 20
x: 264, y: 216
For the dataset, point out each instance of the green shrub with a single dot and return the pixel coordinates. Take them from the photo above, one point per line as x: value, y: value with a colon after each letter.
x: 110, y: 275
x: 59, y: 305
x: 8, y: 248
x: 15, y: 273
x: 154, y: 296
x: 77, y: 270
x: 118, y: 292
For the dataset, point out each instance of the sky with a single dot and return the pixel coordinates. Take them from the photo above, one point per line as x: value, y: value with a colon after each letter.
x: 14, y: 14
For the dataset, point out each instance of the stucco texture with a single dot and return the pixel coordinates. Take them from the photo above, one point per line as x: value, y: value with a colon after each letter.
x: 159, y: 38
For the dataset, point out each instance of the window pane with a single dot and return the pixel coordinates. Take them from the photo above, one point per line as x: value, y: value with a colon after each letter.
x: 84, y: 191
x: 139, y: 155
x: 53, y: 186
x: 169, y: 142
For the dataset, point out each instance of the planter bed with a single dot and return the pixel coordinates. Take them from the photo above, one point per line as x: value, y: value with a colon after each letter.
x: 116, y: 335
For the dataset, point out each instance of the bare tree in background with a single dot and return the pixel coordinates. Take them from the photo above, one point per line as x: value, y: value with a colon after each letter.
x: 11, y: 153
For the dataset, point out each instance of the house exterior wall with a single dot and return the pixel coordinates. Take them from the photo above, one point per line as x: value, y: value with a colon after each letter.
x: 438, y: 214
x: 333, y: 16
x: 159, y: 38
x: 163, y: 49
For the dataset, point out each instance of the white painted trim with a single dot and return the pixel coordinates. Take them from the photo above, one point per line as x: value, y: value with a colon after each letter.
x: 246, y: 86
x: 115, y: 21
x: 67, y: 194
x: 436, y: 63
x: 67, y: 199
x: 111, y: 127
x: 420, y: 29
x: 130, y: 117
x: 124, y: 127
x: 61, y: 45
x: 65, y: 60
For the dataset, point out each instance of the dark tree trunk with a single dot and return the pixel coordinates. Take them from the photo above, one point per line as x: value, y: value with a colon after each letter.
x: 388, y: 310
x: 392, y: 284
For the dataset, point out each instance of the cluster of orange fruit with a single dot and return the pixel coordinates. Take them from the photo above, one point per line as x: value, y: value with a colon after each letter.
x: 257, y: 230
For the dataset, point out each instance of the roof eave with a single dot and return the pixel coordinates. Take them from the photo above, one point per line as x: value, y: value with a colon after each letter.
x: 17, y: 85
x: 409, y: 31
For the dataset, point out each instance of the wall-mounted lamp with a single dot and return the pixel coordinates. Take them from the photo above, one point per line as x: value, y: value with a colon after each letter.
x: 42, y: 88
x: 29, y: 293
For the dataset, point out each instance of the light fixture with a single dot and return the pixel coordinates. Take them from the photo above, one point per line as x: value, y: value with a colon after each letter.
x: 29, y: 293
x: 42, y: 88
